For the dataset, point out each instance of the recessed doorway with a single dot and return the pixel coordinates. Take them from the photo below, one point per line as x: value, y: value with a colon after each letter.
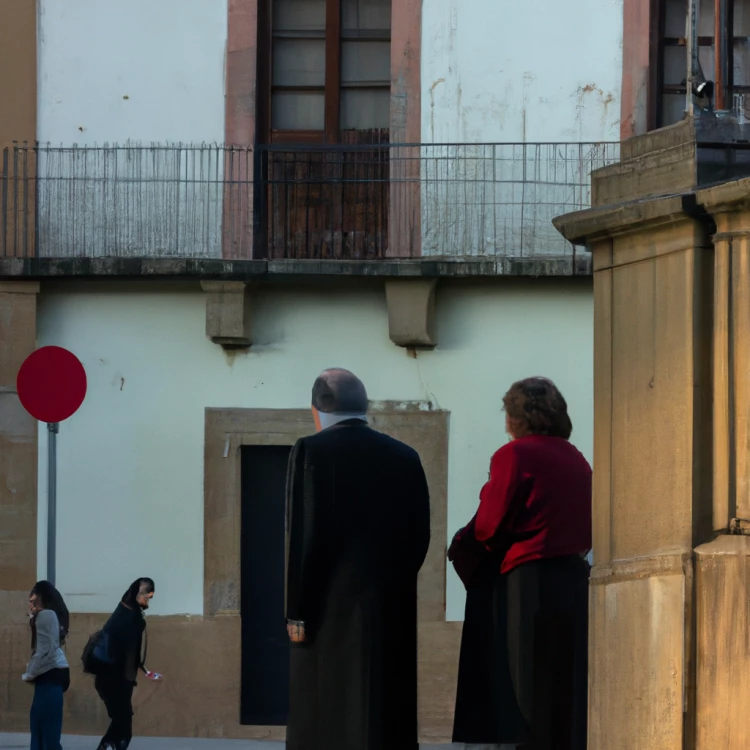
x: 265, y: 646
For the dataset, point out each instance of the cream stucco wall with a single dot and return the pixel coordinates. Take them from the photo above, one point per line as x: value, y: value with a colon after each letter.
x: 491, y: 71
x: 541, y: 70
x: 130, y: 479
x: 112, y: 71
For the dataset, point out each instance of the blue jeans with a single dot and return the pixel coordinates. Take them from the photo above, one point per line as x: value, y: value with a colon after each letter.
x: 46, y: 717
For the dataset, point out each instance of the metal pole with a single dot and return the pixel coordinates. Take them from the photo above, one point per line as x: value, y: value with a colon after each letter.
x: 719, y: 22
x: 52, y: 429
x: 693, y: 63
x: 722, y: 52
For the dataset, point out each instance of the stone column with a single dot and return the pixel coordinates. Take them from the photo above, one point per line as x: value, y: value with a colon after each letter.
x: 652, y: 475
x: 18, y: 68
x: 18, y: 103
x: 652, y: 369
x: 18, y: 440
x: 670, y: 590
x: 18, y: 497
x: 723, y: 564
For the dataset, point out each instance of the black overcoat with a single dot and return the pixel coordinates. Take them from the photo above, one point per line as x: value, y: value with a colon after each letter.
x: 358, y: 531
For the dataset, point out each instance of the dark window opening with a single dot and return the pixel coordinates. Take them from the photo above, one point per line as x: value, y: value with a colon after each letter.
x: 264, y: 688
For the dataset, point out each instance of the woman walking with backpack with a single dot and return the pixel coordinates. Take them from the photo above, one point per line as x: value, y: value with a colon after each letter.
x: 48, y: 668
x: 115, y: 655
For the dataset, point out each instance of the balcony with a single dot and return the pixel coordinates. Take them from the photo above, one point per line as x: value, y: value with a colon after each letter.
x: 379, y: 202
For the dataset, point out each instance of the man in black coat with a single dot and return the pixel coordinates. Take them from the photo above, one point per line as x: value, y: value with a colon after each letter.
x: 358, y: 521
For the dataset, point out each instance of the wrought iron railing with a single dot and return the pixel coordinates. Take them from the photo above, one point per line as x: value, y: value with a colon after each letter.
x: 354, y: 202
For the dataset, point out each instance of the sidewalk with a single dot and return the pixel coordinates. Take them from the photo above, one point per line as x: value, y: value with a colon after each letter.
x: 78, y: 742
x: 69, y: 742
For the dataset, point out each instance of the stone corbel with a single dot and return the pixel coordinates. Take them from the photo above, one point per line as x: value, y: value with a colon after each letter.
x: 228, y: 313
x: 411, y: 312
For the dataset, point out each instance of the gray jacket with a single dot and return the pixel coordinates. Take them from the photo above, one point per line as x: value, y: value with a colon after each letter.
x: 47, y: 655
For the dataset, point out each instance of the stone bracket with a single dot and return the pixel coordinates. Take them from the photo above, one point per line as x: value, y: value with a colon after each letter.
x: 411, y: 312
x: 228, y: 318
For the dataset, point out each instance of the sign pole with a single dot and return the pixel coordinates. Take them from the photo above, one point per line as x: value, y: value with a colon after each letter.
x: 51, y: 386
x: 52, y: 429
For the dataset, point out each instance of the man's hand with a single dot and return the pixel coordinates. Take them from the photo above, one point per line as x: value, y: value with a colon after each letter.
x: 296, y: 632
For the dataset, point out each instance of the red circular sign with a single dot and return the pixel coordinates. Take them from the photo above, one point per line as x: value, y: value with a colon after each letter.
x: 51, y: 384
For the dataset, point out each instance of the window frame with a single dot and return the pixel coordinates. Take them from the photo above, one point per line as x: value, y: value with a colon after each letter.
x: 331, y: 132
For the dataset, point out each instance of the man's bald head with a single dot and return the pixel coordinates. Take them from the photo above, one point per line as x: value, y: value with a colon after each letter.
x: 338, y: 391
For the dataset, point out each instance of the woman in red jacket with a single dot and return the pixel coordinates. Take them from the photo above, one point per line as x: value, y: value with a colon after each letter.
x: 523, y: 668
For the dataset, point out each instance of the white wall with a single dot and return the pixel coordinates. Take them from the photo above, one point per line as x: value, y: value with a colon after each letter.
x: 491, y: 70
x: 131, y: 460
x: 143, y: 70
x: 502, y: 71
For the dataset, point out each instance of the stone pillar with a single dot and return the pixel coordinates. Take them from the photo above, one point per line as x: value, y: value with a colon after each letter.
x: 670, y: 590
x: 18, y: 95
x: 651, y: 371
x: 18, y: 24
x: 18, y: 440
x: 18, y: 497
x: 723, y: 564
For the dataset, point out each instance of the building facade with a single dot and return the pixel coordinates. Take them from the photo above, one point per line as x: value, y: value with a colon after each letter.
x: 209, y: 202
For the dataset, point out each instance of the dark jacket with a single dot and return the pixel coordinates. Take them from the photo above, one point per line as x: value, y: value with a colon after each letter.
x: 536, y: 503
x: 125, y: 630
x: 359, y: 529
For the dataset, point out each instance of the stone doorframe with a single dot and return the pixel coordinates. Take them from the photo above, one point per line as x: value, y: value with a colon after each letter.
x: 227, y: 430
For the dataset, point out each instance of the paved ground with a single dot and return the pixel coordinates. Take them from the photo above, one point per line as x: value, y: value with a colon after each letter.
x: 21, y: 742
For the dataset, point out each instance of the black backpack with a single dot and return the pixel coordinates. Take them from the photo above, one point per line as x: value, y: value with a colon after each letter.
x: 96, y: 656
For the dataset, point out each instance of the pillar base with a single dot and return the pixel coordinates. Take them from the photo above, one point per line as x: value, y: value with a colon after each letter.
x: 723, y: 643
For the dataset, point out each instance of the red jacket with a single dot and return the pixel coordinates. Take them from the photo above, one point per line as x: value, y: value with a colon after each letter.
x: 537, y: 501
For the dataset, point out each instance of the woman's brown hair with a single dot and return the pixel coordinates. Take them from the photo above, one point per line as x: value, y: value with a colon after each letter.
x: 536, y: 407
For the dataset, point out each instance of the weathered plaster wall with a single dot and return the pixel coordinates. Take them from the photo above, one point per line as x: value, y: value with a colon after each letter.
x: 143, y: 71
x: 130, y: 462
x: 534, y: 71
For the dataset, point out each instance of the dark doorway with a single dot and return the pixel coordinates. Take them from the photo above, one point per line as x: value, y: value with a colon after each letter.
x: 265, y: 646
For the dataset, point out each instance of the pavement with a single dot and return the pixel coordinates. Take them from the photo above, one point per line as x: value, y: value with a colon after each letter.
x: 78, y: 742
x: 70, y: 742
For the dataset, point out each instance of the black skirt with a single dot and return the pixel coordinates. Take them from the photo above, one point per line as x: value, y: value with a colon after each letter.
x: 524, y: 657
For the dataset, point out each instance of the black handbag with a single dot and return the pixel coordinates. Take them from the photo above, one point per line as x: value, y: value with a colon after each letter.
x: 96, y: 656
